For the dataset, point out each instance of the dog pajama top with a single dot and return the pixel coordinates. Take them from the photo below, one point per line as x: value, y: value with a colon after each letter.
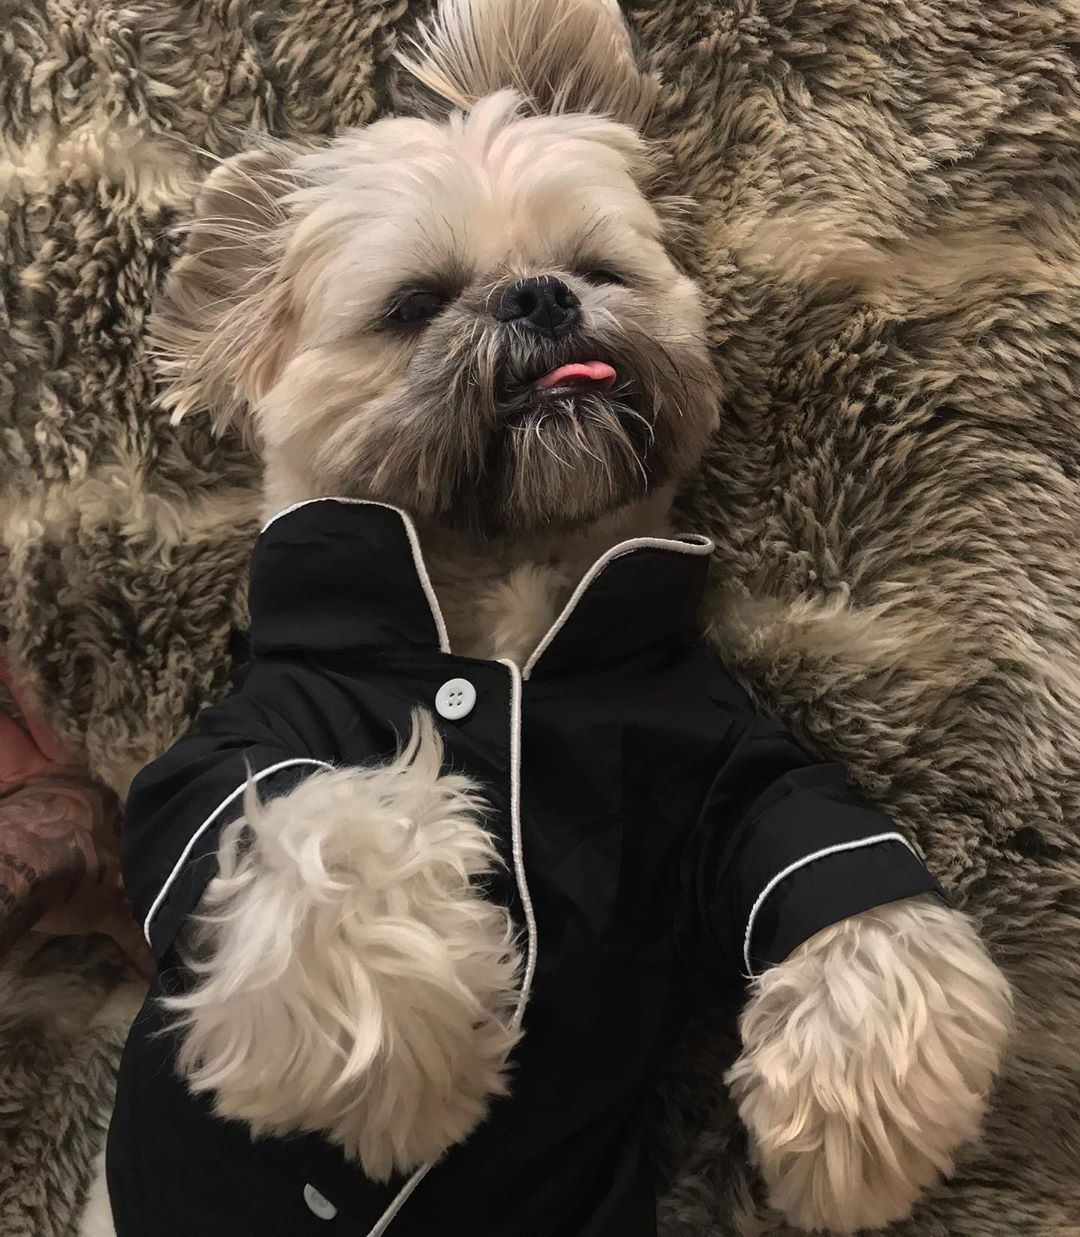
x: 662, y: 842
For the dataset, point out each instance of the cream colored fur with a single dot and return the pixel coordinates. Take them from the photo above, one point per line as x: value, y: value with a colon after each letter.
x: 500, y: 599
x: 351, y: 976
x: 868, y: 1058
x: 564, y: 55
x: 96, y: 1219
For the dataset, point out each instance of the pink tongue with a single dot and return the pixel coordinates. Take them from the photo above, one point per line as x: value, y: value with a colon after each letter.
x: 579, y: 374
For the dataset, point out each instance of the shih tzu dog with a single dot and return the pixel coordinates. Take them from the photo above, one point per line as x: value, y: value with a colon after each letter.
x: 463, y: 330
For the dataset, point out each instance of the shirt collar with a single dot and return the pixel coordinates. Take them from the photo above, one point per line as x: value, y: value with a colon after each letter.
x: 337, y: 574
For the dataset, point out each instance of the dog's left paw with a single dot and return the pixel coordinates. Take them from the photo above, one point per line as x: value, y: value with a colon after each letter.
x: 867, y: 1059
x: 350, y: 975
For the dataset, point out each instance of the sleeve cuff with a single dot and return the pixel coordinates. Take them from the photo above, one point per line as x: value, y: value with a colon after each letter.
x: 810, y: 854
x: 825, y: 887
x: 197, y: 863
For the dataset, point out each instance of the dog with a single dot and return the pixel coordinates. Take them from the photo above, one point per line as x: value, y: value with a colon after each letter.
x: 471, y: 313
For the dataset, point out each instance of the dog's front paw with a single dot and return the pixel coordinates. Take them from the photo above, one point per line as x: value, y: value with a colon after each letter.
x: 867, y: 1058
x: 351, y: 978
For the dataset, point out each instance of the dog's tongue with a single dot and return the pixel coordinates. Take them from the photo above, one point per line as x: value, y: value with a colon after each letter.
x: 580, y: 374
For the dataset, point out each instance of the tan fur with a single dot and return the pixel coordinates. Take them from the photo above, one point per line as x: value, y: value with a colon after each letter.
x: 868, y: 1054
x: 868, y: 1059
x: 345, y: 951
x: 296, y: 257
x: 816, y: 247
x: 155, y: 168
x: 891, y: 457
x: 499, y: 599
x: 96, y: 1218
x: 562, y: 55
x: 223, y: 318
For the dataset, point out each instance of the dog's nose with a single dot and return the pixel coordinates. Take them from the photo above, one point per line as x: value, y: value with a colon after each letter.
x: 541, y: 302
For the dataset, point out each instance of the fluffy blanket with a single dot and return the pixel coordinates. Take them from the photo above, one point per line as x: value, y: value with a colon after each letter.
x: 889, y: 235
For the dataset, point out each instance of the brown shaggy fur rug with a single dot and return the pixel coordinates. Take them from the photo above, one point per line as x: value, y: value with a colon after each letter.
x: 889, y: 235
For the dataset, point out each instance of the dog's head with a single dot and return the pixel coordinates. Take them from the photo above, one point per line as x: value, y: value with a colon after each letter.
x: 472, y: 316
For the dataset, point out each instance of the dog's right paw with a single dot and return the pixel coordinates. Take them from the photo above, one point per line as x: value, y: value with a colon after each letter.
x: 350, y: 977
x: 868, y: 1056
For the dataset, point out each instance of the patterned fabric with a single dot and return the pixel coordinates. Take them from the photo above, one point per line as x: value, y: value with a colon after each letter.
x: 889, y: 234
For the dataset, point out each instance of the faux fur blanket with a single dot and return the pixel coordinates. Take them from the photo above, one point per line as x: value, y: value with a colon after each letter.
x: 889, y: 235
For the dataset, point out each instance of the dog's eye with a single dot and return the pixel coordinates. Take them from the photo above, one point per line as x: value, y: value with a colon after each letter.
x: 415, y: 307
x: 604, y: 275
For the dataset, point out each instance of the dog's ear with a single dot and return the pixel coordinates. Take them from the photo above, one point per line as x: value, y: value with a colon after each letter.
x: 560, y: 55
x: 221, y: 323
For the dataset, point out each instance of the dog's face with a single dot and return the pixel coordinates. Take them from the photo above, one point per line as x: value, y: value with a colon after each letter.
x: 474, y: 319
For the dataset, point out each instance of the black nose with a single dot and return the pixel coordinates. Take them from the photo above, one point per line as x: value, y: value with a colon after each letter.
x: 541, y: 302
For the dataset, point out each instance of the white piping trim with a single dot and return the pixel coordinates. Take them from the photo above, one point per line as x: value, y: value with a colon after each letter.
x: 696, y: 545
x: 414, y: 544
x: 517, y: 844
x: 403, y: 1195
x: 784, y: 873
x: 229, y: 798
x: 400, y: 1199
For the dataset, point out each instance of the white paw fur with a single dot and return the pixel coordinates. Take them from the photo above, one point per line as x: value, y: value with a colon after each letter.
x: 350, y: 976
x: 867, y: 1059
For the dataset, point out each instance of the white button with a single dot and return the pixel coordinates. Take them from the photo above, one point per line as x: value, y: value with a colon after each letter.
x: 455, y: 699
x: 319, y: 1203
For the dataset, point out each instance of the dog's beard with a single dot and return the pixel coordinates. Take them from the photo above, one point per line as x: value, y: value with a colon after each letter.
x: 470, y: 441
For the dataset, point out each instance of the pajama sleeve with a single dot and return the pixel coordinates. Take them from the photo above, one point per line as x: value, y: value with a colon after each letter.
x: 784, y: 848
x: 180, y: 803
